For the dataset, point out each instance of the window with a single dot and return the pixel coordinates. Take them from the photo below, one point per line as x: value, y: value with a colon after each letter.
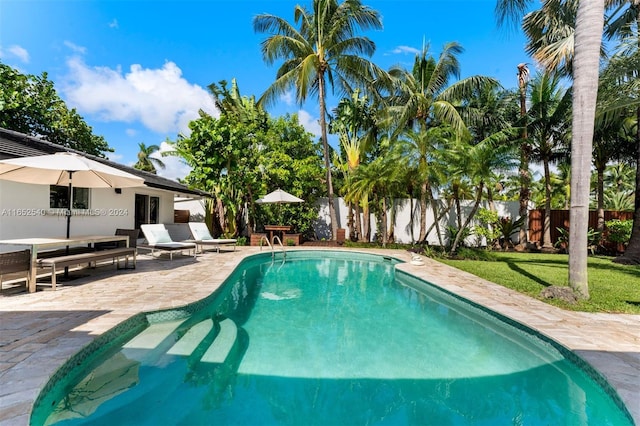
x: 147, y: 210
x: 154, y: 207
x: 59, y: 197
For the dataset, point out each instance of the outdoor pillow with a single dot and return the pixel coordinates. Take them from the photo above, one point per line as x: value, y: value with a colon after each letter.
x: 162, y: 236
x: 202, y: 234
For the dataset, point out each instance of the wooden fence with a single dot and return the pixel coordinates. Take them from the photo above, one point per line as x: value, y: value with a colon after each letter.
x: 560, y: 219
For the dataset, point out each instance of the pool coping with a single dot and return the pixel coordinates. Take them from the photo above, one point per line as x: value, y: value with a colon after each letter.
x: 41, y: 330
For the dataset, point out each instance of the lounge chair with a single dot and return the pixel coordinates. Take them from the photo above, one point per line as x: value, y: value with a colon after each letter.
x: 202, y: 237
x: 158, y: 238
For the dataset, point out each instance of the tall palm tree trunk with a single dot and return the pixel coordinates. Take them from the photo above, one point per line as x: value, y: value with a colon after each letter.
x: 327, y: 156
x: 358, y: 221
x: 458, y: 211
x: 546, y: 236
x: 632, y: 252
x: 600, y: 184
x: 525, y: 156
x: 350, y: 219
x: 588, y: 39
x: 476, y: 204
x: 422, y: 236
x: 365, y: 236
x: 413, y: 240
x: 392, y: 222
x: 437, y: 218
x: 434, y: 207
x: 384, y: 222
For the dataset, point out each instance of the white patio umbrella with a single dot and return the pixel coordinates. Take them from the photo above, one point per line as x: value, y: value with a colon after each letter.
x: 279, y: 197
x: 65, y: 168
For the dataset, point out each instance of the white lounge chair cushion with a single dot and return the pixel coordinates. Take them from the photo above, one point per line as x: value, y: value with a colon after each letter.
x: 161, y: 236
x: 200, y: 234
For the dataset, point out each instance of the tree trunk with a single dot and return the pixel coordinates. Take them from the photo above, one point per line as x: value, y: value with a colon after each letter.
x: 600, y: 172
x: 492, y: 204
x: 358, y: 226
x: 434, y: 207
x: 476, y: 204
x: 439, y: 217
x: 588, y: 39
x: 327, y: 156
x: 525, y: 157
x: 458, y: 211
x: 413, y: 240
x: 546, y: 236
x: 366, y: 223
x: 350, y: 219
x: 631, y: 254
x: 384, y: 222
x: 423, y: 213
x: 392, y: 223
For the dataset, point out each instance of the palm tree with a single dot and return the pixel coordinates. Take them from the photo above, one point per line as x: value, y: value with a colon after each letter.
x: 525, y: 154
x: 627, y: 25
x: 424, y: 99
x: 611, y: 140
x: 325, y: 48
x: 478, y: 162
x: 145, y: 160
x: 419, y: 151
x: 380, y: 180
x: 549, y: 114
x: 353, y: 119
x: 587, y: 42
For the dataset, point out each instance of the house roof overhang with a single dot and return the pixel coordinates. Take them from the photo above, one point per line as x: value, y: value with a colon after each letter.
x: 15, y: 144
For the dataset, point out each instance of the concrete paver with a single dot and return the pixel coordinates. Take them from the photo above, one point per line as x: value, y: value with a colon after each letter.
x: 40, y: 331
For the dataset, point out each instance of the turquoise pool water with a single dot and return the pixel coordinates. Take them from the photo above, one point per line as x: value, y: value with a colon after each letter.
x: 325, y: 338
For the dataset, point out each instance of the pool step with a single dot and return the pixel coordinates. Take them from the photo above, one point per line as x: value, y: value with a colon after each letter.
x: 153, y: 335
x: 223, y: 344
x: 192, y: 338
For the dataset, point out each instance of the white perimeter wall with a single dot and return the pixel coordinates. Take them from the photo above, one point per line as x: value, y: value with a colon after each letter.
x: 403, y: 219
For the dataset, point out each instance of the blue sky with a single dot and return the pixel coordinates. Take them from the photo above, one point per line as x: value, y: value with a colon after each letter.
x: 137, y: 71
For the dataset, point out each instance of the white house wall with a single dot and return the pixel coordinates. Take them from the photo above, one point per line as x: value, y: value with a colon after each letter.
x: 25, y: 212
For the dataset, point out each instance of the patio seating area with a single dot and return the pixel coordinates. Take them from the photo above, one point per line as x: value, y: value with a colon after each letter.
x: 39, y: 331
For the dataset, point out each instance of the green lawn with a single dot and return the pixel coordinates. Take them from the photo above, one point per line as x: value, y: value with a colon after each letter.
x: 612, y: 287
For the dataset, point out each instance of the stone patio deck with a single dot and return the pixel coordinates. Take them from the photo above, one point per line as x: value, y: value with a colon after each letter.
x: 39, y: 331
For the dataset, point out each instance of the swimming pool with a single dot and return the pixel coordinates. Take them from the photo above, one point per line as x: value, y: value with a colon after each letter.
x: 322, y: 339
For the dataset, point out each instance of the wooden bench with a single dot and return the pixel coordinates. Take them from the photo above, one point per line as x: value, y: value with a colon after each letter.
x: 92, y: 257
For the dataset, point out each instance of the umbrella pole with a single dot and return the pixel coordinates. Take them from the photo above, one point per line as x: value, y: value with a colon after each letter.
x: 68, y: 213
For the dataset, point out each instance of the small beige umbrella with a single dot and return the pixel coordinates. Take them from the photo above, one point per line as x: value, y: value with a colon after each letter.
x: 279, y: 197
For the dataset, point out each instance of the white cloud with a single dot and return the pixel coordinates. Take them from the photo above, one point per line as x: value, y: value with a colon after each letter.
x: 131, y: 132
x: 288, y: 97
x: 406, y: 50
x: 74, y: 47
x: 174, y: 166
x: 114, y: 24
x: 15, y: 51
x: 311, y: 124
x: 159, y: 98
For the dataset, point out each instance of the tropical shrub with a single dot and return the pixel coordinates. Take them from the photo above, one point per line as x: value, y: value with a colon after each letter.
x: 487, y: 228
x: 619, y: 231
x: 507, y: 227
